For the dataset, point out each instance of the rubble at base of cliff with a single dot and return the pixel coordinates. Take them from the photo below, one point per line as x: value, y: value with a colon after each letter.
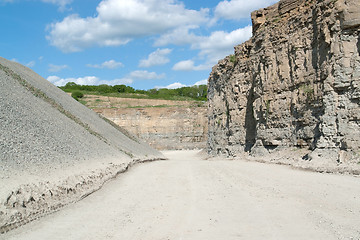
x: 303, y: 159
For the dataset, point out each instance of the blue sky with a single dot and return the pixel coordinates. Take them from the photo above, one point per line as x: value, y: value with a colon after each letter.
x: 140, y: 43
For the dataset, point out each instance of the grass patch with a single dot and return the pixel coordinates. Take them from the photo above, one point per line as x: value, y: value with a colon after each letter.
x: 82, y: 102
x: 155, y: 106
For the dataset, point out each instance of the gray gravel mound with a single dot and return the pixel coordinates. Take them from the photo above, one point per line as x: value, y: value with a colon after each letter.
x: 53, y: 150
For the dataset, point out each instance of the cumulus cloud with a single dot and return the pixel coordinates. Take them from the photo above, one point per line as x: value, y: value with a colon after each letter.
x: 179, y: 36
x: 88, y: 80
x: 213, y: 47
x: 180, y: 85
x: 238, y: 9
x: 92, y: 80
x: 202, y: 82
x: 57, y: 68
x: 157, y: 58
x: 111, y: 64
x: 145, y: 75
x: 118, y: 22
x: 220, y: 44
x: 189, y: 65
x: 172, y: 86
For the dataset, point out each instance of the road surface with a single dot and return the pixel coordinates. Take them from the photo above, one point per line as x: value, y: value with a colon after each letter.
x: 189, y: 198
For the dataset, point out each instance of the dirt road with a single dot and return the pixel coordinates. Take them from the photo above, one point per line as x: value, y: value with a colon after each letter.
x: 188, y: 198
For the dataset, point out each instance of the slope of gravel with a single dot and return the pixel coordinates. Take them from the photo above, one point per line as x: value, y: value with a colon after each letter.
x: 53, y: 150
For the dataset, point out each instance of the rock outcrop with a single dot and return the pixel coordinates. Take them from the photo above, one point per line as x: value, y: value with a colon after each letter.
x: 295, y: 83
x: 164, y: 124
x: 53, y: 150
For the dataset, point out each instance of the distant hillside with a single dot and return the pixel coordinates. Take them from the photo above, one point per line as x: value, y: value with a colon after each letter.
x: 198, y: 93
x: 54, y: 150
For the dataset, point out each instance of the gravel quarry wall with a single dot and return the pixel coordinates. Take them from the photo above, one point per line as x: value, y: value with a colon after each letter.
x: 54, y: 150
x: 294, y: 85
x: 163, y: 124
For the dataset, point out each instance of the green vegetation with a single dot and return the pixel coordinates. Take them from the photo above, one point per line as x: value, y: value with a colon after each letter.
x: 198, y: 93
x: 76, y: 95
x: 308, y: 91
x: 267, y: 109
x: 232, y: 58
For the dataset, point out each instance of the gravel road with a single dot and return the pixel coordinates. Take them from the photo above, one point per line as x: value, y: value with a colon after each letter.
x: 189, y: 198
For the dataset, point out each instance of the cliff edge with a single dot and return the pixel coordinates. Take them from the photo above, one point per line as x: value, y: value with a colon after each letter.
x: 294, y: 85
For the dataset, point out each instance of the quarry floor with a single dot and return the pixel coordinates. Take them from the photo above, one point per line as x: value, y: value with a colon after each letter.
x: 186, y: 197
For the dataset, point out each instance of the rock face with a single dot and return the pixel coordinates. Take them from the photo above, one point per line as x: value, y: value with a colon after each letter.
x: 163, y: 124
x: 53, y: 150
x: 295, y: 83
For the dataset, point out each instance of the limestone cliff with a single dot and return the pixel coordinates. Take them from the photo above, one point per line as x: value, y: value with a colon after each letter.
x: 295, y: 83
x: 163, y: 124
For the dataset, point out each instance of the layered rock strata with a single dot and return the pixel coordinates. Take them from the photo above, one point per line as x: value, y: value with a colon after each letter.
x: 163, y: 128
x: 295, y: 83
x: 164, y: 124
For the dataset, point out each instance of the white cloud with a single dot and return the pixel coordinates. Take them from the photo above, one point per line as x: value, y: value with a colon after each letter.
x: 202, y: 82
x: 178, y: 36
x: 212, y: 48
x: 172, y: 86
x: 57, y: 68
x: 31, y: 64
x: 92, y: 80
x: 118, y: 22
x: 61, y: 3
x: 220, y: 44
x: 180, y: 85
x: 111, y: 64
x: 238, y: 9
x: 157, y: 58
x: 88, y: 80
x: 145, y: 75
x: 189, y: 65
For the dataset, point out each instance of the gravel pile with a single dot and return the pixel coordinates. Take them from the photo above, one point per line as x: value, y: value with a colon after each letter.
x: 50, y: 140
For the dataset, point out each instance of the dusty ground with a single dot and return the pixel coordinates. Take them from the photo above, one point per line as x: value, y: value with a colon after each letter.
x: 189, y: 198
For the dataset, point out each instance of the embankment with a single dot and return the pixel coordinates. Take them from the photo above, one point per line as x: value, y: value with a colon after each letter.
x: 54, y: 150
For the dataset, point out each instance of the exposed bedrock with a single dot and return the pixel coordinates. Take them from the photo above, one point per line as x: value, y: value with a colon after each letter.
x: 163, y: 128
x: 295, y: 83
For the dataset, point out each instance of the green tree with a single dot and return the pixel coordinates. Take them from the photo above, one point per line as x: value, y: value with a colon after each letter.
x: 119, y: 88
x: 104, y: 88
x: 76, y: 95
